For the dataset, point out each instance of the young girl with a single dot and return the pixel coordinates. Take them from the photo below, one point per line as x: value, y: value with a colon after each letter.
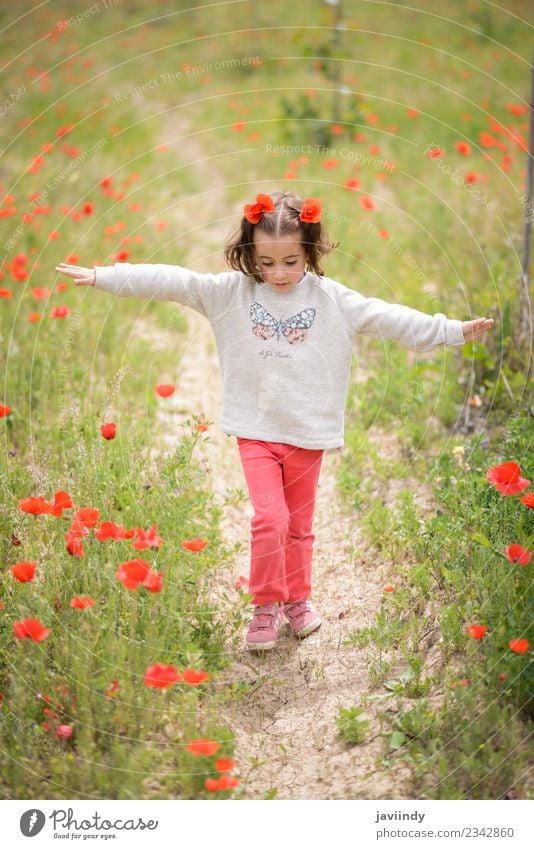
x: 284, y: 334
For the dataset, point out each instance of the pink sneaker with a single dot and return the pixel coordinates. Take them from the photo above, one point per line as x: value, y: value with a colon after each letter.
x: 303, y: 619
x: 265, y: 625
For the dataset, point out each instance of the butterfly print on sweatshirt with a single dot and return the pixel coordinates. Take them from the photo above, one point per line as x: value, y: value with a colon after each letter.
x: 295, y: 329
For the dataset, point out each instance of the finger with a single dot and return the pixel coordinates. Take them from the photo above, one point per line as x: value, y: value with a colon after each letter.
x: 72, y: 272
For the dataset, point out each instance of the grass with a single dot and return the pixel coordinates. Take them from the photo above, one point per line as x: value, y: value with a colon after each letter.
x: 476, y: 743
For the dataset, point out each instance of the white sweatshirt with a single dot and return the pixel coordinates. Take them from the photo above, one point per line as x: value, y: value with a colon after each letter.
x: 285, y: 357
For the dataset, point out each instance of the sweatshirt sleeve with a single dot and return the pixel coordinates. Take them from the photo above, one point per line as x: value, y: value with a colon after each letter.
x: 412, y: 328
x: 207, y: 293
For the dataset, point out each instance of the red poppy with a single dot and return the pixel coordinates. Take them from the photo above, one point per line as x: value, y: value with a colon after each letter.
x: 4, y: 411
x: 112, y: 688
x: 224, y: 764
x: 62, y: 131
x: 36, y: 506
x: 506, y: 478
x: 108, y: 430
x: 145, y: 539
x: 528, y: 499
x: 311, y: 211
x: 517, y: 108
x: 24, y: 571
x: 366, y: 202
x: 62, y: 499
x: 517, y: 554
x: 352, y: 183
x: 74, y: 545
x: 463, y: 147
x: 225, y: 782
x: 165, y: 389
x: 254, y: 211
x: 40, y: 293
x: 487, y: 140
x: 241, y: 582
x: 135, y: 572
x: 196, y: 544
x: 60, y: 312
x: 201, y: 426
x: 88, y: 516
x: 203, y: 746
x: 195, y: 676
x: 161, y: 675
x: 77, y: 530
x: 436, y: 152
x: 389, y: 589
x: 81, y: 602
x: 476, y: 631
x: 519, y: 646
x: 132, y: 572
x: 330, y: 163
x: 31, y: 629
x: 63, y: 732
x: 110, y: 530
x: 153, y: 581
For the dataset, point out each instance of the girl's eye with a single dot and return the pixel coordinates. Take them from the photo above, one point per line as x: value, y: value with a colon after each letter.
x: 270, y: 265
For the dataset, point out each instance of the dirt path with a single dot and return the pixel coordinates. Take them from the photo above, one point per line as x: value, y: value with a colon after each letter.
x: 286, y: 738
x: 285, y: 727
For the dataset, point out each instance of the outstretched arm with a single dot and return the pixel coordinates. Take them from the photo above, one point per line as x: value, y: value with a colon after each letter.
x: 412, y: 328
x: 477, y: 327
x: 207, y: 293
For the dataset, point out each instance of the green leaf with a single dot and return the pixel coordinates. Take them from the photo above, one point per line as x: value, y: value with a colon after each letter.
x: 481, y: 539
x: 397, y: 740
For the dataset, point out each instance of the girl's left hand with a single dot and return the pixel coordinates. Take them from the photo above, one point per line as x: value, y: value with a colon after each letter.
x: 477, y: 327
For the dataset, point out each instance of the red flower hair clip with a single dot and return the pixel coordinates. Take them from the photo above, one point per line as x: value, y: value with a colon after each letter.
x: 309, y: 214
x: 311, y: 211
x: 254, y: 211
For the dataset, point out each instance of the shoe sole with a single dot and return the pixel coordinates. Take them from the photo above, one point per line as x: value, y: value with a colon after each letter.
x: 260, y: 646
x: 308, y: 629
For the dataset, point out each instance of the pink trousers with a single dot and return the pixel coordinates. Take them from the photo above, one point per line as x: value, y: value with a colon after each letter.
x: 282, y: 483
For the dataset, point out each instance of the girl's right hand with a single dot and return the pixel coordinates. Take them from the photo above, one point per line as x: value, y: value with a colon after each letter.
x: 81, y: 276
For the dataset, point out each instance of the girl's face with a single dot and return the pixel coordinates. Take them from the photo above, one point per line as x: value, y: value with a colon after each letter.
x: 281, y: 260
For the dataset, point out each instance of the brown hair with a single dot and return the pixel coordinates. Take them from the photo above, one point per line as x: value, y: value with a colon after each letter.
x: 239, y: 250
